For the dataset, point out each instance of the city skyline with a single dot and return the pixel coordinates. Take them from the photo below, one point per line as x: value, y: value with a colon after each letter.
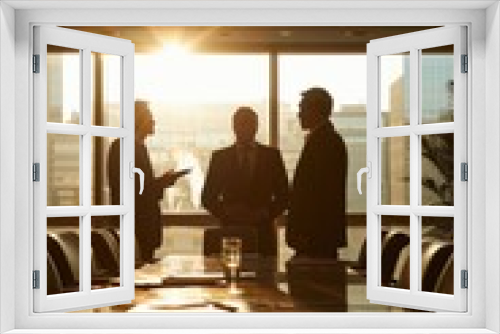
x: 188, y: 130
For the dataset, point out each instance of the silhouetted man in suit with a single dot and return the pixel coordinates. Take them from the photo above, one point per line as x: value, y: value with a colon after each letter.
x: 148, y: 226
x: 316, y: 217
x: 246, y: 184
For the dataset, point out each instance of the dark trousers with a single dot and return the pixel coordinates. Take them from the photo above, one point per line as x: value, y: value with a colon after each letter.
x: 148, y: 232
x: 317, y: 252
x: 267, y: 241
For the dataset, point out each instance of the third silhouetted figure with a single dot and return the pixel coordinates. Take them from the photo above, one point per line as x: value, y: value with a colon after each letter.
x: 316, y: 219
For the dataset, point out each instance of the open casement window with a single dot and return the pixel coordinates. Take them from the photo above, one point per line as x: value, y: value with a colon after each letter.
x: 416, y: 190
x: 68, y: 131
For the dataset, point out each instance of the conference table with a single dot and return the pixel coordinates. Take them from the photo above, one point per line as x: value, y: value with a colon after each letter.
x: 195, y: 283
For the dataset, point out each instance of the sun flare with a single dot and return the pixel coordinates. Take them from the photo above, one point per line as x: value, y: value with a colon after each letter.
x: 175, y: 50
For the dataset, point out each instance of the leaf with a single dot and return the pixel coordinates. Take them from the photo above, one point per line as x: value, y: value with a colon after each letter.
x: 431, y: 185
x: 440, y: 154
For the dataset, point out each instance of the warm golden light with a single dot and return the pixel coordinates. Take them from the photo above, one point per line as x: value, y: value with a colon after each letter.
x: 175, y: 50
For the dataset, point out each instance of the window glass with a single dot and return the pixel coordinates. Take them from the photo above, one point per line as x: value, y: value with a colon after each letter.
x: 437, y: 254
x: 395, y: 171
x: 63, y: 85
x: 105, y: 89
x: 344, y: 76
x: 63, y: 170
x: 437, y: 85
x: 395, y: 252
x: 395, y: 89
x: 63, y: 255
x: 192, y: 98
x: 105, y: 241
x: 437, y: 165
x: 106, y: 171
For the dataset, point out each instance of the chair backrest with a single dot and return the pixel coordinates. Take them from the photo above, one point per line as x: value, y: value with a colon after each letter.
x: 64, y: 249
x: 56, y: 253
x: 437, y: 268
x: 106, y: 251
x: 70, y: 243
x: 404, y: 277
x: 434, y: 260
x: 54, y: 282
x: 445, y: 281
x: 403, y: 260
x: 392, y: 246
x: 361, y: 262
x: 112, y: 225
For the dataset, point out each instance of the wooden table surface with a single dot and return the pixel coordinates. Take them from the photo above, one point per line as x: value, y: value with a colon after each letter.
x: 190, y: 283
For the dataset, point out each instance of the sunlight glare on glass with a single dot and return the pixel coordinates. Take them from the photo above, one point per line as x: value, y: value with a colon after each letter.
x: 175, y: 50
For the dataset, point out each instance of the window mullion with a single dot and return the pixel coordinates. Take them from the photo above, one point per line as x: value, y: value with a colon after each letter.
x: 393, y: 131
x: 67, y: 129
x: 432, y: 129
x: 414, y: 172
x: 104, y: 131
x: 85, y: 176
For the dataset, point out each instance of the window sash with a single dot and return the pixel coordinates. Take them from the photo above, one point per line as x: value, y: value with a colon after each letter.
x: 414, y: 298
x: 85, y: 297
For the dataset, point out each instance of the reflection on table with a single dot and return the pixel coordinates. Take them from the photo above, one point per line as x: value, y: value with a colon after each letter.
x: 190, y: 283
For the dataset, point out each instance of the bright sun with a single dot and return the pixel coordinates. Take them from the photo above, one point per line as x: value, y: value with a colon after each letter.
x: 173, y: 50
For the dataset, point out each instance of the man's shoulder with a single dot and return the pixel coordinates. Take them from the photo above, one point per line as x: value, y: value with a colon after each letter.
x: 269, y: 150
x: 115, y: 145
x: 221, y: 152
x: 328, y: 134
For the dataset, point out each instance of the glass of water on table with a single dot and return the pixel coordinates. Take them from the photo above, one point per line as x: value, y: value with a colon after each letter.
x: 231, y: 258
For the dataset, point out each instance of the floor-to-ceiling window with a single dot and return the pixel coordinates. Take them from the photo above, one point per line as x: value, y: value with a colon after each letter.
x: 192, y: 96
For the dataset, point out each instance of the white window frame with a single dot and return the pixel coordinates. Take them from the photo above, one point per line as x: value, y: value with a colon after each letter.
x: 415, y: 43
x: 483, y: 102
x: 86, y: 43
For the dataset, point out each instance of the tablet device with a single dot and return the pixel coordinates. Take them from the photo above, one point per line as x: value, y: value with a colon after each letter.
x: 183, y: 172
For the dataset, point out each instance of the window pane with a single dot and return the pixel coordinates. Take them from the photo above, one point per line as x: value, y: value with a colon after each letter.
x: 437, y: 254
x: 395, y: 89
x: 105, y: 239
x: 437, y: 84
x: 63, y: 85
x: 395, y: 170
x: 63, y: 170
x: 63, y: 255
x: 344, y: 76
x: 395, y: 252
x: 437, y: 169
x: 106, y: 89
x: 192, y: 98
x: 106, y: 174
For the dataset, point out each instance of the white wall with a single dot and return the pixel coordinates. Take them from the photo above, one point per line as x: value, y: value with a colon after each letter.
x: 492, y: 163
x: 7, y: 162
x: 249, y: 17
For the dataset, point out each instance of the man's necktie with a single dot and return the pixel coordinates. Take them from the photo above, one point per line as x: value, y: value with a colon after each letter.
x: 246, y: 166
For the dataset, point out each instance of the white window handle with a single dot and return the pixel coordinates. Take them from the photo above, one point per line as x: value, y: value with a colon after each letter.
x: 133, y: 170
x: 368, y: 171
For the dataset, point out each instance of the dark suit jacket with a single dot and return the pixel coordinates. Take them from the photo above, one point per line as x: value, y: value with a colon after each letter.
x: 268, y: 190
x: 316, y: 217
x: 148, y: 228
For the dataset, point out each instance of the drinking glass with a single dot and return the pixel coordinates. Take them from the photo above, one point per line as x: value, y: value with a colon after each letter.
x: 231, y: 256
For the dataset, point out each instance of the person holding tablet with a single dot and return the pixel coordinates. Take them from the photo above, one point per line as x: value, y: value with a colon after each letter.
x: 148, y: 225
